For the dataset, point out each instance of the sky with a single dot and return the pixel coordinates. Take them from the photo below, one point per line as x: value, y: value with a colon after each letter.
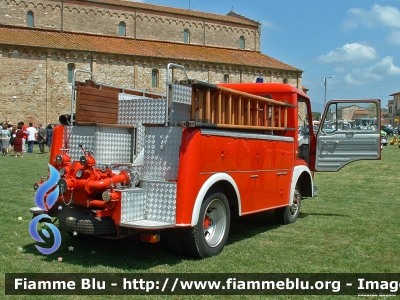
x: 355, y: 44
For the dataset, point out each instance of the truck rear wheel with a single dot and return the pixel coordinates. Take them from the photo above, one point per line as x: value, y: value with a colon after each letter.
x: 209, y: 236
x: 289, y: 214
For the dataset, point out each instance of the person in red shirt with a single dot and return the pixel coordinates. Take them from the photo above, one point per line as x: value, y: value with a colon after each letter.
x: 24, y: 135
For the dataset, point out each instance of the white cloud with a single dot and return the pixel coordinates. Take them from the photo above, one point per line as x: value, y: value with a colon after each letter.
x: 353, y: 53
x: 267, y: 24
x: 386, y: 16
x: 349, y: 78
x: 356, y: 17
x: 385, y: 67
x: 362, y: 77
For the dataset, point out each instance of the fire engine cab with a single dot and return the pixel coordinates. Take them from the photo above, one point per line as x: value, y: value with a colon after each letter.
x: 177, y: 167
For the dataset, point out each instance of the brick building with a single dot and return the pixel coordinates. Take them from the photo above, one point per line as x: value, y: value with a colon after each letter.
x: 393, y: 115
x: 123, y: 43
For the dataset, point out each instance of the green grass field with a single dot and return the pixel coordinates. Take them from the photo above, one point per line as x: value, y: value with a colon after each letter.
x: 351, y: 227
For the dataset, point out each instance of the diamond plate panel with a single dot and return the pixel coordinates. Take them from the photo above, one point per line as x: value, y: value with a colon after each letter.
x: 76, y: 135
x: 133, y: 204
x: 161, y: 201
x: 161, y: 152
x: 134, y: 110
x: 147, y: 224
x: 140, y: 133
x: 109, y: 144
x: 181, y: 93
x: 113, y: 147
x: 180, y: 112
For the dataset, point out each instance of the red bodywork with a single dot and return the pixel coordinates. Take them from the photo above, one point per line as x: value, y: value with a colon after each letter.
x: 253, y: 164
x: 261, y: 169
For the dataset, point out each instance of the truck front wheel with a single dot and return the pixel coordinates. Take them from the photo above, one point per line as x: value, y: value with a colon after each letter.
x: 289, y: 214
x: 209, y: 236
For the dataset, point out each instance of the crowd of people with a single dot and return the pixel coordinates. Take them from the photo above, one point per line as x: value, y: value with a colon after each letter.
x: 19, y: 139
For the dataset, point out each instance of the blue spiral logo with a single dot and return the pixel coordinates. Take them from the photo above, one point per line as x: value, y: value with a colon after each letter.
x: 47, y: 186
x: 39, y: 201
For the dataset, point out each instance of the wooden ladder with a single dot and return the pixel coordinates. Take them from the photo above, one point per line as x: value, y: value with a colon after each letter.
x: 216, y: 106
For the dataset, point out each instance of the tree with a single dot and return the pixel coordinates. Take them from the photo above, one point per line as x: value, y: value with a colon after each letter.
x: 371, y: 107
x: 316, y: 116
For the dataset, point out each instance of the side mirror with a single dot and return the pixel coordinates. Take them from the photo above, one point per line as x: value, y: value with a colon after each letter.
x: 304, y: 130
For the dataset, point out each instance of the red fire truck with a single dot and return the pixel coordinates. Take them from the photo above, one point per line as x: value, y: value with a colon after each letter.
x: 177, y: 167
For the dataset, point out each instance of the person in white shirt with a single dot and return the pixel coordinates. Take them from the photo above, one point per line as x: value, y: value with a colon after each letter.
x: 31, y: 137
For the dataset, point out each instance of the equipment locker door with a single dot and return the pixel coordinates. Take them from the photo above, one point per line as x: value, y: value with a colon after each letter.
x: 349, y: 131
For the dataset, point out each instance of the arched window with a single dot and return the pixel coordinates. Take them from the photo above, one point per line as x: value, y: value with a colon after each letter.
x: 241, y: 42
x: 154, y: 78
x: 71, y: 69
x: 226, y: 78
x: 186, y: 36
x: 122, y: 29
x: 29, y: 21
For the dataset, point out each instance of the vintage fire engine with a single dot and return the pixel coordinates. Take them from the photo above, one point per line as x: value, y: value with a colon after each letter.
x: 177, y: 167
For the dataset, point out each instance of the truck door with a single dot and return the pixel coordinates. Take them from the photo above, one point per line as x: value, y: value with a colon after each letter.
x: 349, y: 131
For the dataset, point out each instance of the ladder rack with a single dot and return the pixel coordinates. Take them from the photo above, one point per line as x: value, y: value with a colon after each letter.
x: 216, y: 106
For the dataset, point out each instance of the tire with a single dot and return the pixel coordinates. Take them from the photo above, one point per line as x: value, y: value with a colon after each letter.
x: 209, y: 236
x: 84, y: 222
x: 289, y: 214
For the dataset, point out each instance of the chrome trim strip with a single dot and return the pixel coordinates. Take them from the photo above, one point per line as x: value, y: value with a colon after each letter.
x: 238, y: 134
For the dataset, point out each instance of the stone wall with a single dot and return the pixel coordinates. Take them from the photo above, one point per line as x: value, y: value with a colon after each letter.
x: 97, y: 18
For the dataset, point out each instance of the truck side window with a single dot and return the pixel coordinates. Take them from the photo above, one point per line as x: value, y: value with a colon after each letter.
x: 350, y: 116
x: 303, y: 130
x: 303, y: 117
x: 329, y: 122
